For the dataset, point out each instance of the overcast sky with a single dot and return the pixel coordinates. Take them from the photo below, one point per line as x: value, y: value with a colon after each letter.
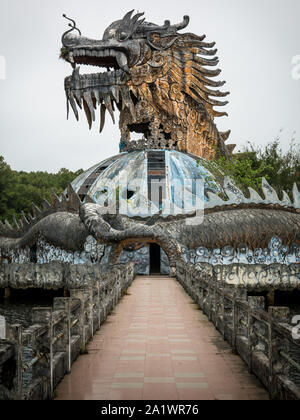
x: 256, y: 41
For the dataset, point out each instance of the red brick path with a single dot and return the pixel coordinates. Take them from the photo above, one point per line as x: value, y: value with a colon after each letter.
x: 157, y: 345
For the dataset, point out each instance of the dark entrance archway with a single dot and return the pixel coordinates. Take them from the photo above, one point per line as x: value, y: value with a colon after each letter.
x: 160, y: 258
x: 154, y: 258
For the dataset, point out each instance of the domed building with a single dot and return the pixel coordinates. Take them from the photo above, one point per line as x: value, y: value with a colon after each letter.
x: 138, y: 176
x: 145, y: 183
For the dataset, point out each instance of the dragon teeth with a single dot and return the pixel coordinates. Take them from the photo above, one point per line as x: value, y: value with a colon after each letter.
x: 70, y: 99
x: 126, y: 101
x: 88, y: 90
x: 87, y: 96
x: 102, y: 116
x: 115, y: 91
x: 108, y: 105
x: 122, y: 61
x: 96, y: 94
x: 77, y: 96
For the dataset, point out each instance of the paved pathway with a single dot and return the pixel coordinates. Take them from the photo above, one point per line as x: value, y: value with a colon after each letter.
x: 157, y: 345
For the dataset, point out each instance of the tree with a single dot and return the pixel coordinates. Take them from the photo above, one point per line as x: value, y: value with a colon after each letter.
x: 6, y: 190
x: 281, y: 169
x: 18, y: 190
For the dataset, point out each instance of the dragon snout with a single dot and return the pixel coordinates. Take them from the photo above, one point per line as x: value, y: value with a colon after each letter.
x: 101, y: 53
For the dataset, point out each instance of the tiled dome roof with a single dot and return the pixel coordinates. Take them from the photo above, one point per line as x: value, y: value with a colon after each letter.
x: 148, y: 182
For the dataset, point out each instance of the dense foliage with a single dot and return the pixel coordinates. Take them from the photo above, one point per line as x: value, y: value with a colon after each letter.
x: 18, y: 190
x: 281, y: 169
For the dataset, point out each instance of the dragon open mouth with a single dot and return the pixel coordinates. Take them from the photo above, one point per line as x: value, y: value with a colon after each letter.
x: 101, y: 58
x: 103, y: 89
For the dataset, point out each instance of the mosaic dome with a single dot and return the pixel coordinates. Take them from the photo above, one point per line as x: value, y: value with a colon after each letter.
x: 149, y: 182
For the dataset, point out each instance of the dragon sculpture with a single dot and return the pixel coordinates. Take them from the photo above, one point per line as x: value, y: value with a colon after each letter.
x: 160, y: 86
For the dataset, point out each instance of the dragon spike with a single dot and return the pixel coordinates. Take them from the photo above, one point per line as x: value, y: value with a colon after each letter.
x: 166, y: 27
x: 285, y: 199
x: 296, y: 196
x: 8, y: 226
x: 156, y: 28
x: 269, y: 192
x: 230, y: 148
x: 131, y: 24
x: 254, y: 196
x: 54, y: 198
x: 213, y: 200
x: 46, y: 204
x: 73, y: 198
x: 16, y: 224
x: 63, y: 200
x: 30, y: 218
x: 233, y: 193
x: 225, y: 135
x: 127, y: 17
x: 24, y: 219
x: 35, y: 210
x: 137, y: 16
x: 204, y: 44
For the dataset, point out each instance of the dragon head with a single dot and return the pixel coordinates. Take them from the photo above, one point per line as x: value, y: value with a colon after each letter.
x: 159, y: 79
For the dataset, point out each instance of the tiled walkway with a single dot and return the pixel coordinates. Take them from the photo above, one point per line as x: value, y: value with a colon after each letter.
x: 157, y: 345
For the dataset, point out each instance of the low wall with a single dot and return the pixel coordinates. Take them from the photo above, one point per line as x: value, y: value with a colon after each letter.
x: 52, y: 275
x: 253, y: 277
x: 263, y: 339
x: 35, y: 359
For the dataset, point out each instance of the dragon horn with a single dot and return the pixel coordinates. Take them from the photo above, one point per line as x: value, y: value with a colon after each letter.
x: 136, y: 17
x: 72, y: 26
x: 184, y: 23
x: 127, y: 18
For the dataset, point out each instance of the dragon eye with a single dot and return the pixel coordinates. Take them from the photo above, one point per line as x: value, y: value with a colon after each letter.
x: 122, y: 35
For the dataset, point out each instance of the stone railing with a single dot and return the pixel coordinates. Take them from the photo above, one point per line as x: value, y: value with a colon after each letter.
x: 264, y: 340
x: 35, y: 359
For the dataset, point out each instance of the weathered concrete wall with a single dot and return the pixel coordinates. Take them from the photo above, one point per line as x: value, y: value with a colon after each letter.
x: 255, y: 277
x: 264, y: 340
x: 58, y: 333
x: 53, y: 275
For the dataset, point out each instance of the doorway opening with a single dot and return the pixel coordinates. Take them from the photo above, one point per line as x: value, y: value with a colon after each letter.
x: 154, y: 258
